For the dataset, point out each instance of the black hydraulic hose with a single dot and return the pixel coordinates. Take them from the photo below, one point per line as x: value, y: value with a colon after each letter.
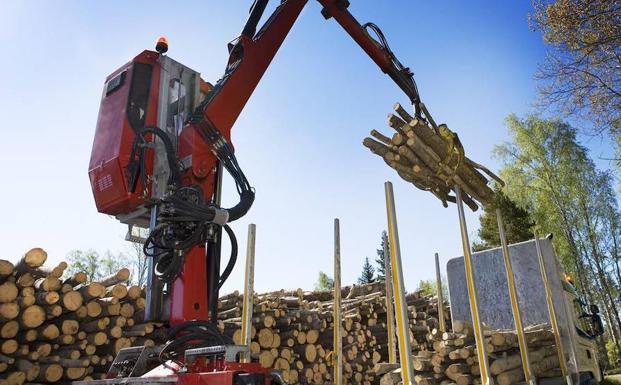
x: 183, y: 215
x: 214, y: 251
x: 232, y: 260
x: 402, y: 76
x: 246, y: 195
x: 197, y: 333
x: 256, y: 11
x: 171, y: 156
x: 194, y: 325
x: 240, y: 209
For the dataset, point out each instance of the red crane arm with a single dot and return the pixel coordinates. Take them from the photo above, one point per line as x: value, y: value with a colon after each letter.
x: 252, y: 53
x: 378, y: 51
x: 249, y: 57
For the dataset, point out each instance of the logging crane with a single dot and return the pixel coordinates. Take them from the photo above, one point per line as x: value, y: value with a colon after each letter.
x: 161, y: 146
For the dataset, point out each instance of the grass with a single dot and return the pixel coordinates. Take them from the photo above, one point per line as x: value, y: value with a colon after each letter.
x: 610, y: 381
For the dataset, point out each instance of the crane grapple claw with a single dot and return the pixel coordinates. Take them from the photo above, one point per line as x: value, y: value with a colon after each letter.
x: 432, y: 158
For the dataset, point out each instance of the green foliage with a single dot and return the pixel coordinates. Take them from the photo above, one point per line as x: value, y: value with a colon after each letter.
x: 368, y: 273
x: 551, y: 174
x: 380, y: 260
x: 110, y: 263
x: 611, y: 380
x: 324, y: 283
x: 429, y: 287
x: 94, y: 265
x: 86, y: 261
x: 611, y: 349
x: 517, y: 223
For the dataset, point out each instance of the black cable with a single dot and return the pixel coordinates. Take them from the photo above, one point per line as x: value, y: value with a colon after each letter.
x: 232, y: 259
x: 191, y: 334
x: 183, y: 214
x: 139, y: 147
x: 383, y: 42
x: 223, y: 150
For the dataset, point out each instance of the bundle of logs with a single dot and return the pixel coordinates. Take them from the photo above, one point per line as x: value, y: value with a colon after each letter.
x: 452, y: 358
x: 293, y: 330
x: 58, y: 330
x: 432, y: 159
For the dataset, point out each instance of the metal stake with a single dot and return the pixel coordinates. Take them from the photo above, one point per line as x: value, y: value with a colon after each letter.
x: 390, y: 305
x: 403, y: 336
x: 515, y: 306
x: 154, y: 287
x: 248, y: 291
x: 441, y: 319
x: 338, y: 322
x: 486, y: 379
x: 552, y: 313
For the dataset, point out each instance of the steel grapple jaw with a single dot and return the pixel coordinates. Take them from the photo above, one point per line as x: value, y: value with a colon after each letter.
x: 432, y: 158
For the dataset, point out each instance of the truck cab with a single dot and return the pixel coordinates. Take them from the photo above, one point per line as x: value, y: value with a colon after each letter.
x: 578, y: 325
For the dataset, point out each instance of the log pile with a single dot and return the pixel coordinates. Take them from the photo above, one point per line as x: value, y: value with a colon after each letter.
x: 453, y: 358
x: 432, y: 159
x: 58, y: 329
x: 292, y: 331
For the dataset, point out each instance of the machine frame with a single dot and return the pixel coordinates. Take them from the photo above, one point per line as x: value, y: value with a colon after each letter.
x: 135, y: 118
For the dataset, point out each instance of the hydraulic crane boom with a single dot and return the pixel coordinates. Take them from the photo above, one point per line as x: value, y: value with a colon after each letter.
x: 251, y: 54
x: 161, y: 145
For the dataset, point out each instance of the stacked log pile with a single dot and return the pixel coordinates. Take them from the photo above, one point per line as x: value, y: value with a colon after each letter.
x: 292, y: 331
x: 58, y: 330
x: 453, y: 357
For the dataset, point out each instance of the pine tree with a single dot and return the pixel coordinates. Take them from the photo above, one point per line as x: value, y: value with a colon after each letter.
x: 381, y: 258
x: 517, y: 222
x: 367, y: 272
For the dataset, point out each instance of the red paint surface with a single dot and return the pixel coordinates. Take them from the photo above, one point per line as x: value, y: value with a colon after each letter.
x: 114, y: 136
x: 189, y: 290
x: 113, y: 141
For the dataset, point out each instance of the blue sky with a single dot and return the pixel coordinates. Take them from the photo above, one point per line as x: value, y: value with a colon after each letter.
x: 298, y: 140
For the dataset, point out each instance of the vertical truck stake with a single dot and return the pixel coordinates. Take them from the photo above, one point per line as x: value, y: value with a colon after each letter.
x: 403, y: 336
x: 441, y: 319
x: 247, y: 306
x: 338, y: 322
x: 390, y: 304
x: 552, y: 313
x: 486, y: 379
x: 515, y: 305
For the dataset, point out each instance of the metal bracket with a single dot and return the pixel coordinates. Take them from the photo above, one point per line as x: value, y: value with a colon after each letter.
x: 229, y: 352
x: 131, y: 362
x: 130, y: 236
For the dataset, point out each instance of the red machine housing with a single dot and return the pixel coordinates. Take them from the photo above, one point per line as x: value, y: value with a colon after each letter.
x: 128, y: 91
x: 130, y: 102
